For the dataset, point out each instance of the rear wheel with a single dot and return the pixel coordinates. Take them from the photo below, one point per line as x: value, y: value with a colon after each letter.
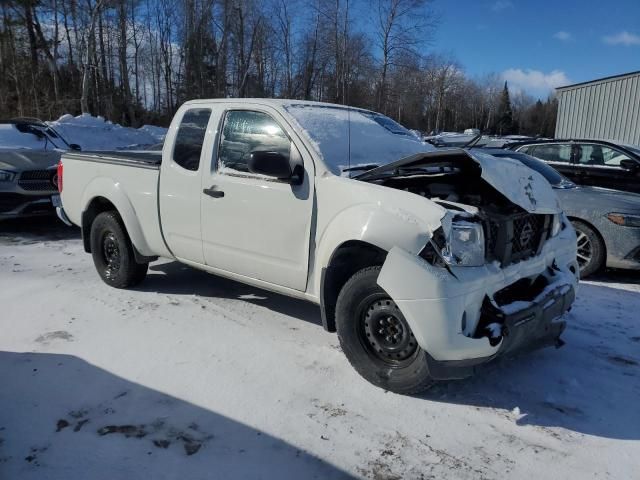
x: 591, y: 250
x: 113, y: 254
x: 377, y: 339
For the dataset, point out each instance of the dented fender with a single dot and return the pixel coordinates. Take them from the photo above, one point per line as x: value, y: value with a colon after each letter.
x: 377, y: 215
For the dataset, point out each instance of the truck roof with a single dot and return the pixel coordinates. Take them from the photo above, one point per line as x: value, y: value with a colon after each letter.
x: 276, y: 102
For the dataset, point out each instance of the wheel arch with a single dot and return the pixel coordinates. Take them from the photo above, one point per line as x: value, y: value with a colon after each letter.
x: 96, y: 206
x: 598, y: 234
x: 592, y: 227
x: 103, y: 194
x: 348, y: 258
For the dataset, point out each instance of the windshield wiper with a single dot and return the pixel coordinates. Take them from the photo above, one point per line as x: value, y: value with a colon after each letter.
x: 409, y: 171
x: 369, y: 166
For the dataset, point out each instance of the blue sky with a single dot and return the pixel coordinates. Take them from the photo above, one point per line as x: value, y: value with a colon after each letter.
x: 541, y: 44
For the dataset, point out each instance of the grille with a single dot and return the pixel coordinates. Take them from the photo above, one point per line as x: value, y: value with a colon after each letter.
x: 527, y: 233
x: 38, y: 180
x: 512, y: 239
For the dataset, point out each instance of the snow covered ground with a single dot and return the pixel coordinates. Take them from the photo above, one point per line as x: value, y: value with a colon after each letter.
x: 191, y: 376
x: 94, y: 133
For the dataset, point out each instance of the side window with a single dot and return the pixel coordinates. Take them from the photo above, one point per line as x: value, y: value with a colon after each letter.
x: 245, y: 132
x: 528, y: 150
x: 599, y: 155
x: 190, y: 137
x: 553, y: 153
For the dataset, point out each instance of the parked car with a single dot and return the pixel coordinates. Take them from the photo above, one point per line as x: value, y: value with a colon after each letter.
x: 427, y: 263
x: 589, y: 162
x: 29, y: 153
x: 607, y: 222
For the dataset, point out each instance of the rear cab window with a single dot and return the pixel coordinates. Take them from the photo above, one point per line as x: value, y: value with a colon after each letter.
x: 190, y: 138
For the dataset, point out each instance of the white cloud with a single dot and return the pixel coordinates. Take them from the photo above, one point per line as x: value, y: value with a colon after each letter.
x: 563, y: 36
x: 534, y: 82
x: 622, y: 38
x: 501, y: 5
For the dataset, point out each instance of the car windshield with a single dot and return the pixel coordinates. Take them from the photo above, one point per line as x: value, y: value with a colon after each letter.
x: 634, y: 148
x: 551, y: 174
x: 350, y: 139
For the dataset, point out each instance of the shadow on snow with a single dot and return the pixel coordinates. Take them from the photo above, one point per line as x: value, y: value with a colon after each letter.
x: 63, y: 418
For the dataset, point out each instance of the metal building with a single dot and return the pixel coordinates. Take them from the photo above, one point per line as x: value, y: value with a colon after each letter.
x: 607, y: 109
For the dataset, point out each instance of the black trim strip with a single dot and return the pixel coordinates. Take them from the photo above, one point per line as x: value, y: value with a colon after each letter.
x: 122, y: 161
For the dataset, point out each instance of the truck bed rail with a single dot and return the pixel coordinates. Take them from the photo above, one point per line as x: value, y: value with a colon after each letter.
x: 139, y: 159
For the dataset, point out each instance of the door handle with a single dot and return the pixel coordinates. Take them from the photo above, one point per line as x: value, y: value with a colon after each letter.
x: 212, y: 192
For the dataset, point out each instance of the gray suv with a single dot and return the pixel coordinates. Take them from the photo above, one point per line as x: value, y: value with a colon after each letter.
x: 29, y: 153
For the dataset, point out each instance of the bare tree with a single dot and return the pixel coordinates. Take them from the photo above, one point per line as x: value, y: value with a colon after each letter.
x: 402, y: 26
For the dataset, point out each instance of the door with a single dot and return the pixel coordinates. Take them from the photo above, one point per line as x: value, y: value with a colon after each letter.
x: 253, y: 225
x: 558, y: 155
x: 602, y: 166
x: 180, y: 181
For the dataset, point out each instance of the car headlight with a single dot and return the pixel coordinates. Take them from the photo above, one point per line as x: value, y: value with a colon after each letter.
x: 6, y: 176
x: 556, y: 224
x: 464, y: 245
x: 624, y: 219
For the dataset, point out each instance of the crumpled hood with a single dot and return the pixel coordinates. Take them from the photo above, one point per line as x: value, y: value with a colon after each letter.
x: 26, y: 159
x: 520, y: 184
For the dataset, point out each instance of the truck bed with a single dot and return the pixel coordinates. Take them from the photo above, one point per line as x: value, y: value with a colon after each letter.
x: 129, y: 179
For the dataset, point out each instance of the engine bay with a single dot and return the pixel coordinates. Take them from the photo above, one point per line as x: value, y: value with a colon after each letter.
x: 512, y: 234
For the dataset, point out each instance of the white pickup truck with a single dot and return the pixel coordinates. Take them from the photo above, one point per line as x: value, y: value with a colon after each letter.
x: 427, y: 263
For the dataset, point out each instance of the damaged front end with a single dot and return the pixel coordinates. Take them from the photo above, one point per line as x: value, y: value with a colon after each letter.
x: 498, y: 274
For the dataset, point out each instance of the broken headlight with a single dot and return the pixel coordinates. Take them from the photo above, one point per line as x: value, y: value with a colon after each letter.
x: 462, y: 247
x: 465, y: 245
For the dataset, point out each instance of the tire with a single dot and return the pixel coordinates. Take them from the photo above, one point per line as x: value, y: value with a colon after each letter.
x: 112, y: 252
x: 591, y: 250
x: 366, y: 317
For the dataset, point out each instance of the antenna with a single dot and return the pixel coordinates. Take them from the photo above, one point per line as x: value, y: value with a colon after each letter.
x: 349, y: 136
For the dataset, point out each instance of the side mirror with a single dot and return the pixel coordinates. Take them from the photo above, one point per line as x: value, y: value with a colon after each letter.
x: 630, y: 165
x: 272, y: 164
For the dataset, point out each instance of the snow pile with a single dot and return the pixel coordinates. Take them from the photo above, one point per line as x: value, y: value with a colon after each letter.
x: 156, y: 132
x: 96, y: 133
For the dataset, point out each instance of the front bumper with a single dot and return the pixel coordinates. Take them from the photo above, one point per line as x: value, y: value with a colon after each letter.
x: 448, y: 313
x: 16, y: 205
x: 623, y: 246
x: 533, y: 327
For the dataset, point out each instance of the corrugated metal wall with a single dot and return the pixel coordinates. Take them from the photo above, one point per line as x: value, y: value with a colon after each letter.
x: 609, y: 109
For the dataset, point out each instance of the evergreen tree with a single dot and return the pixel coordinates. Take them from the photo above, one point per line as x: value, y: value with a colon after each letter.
x: 505, y: 113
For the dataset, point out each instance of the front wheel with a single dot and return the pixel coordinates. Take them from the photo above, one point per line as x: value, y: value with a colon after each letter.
x: 113, y: 254
x: 376, y: 338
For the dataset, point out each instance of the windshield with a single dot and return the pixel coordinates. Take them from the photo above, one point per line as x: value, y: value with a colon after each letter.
x: 348, y: 137
x: 552, y: 175
x: 634, y: 148
x: 54, y: 134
